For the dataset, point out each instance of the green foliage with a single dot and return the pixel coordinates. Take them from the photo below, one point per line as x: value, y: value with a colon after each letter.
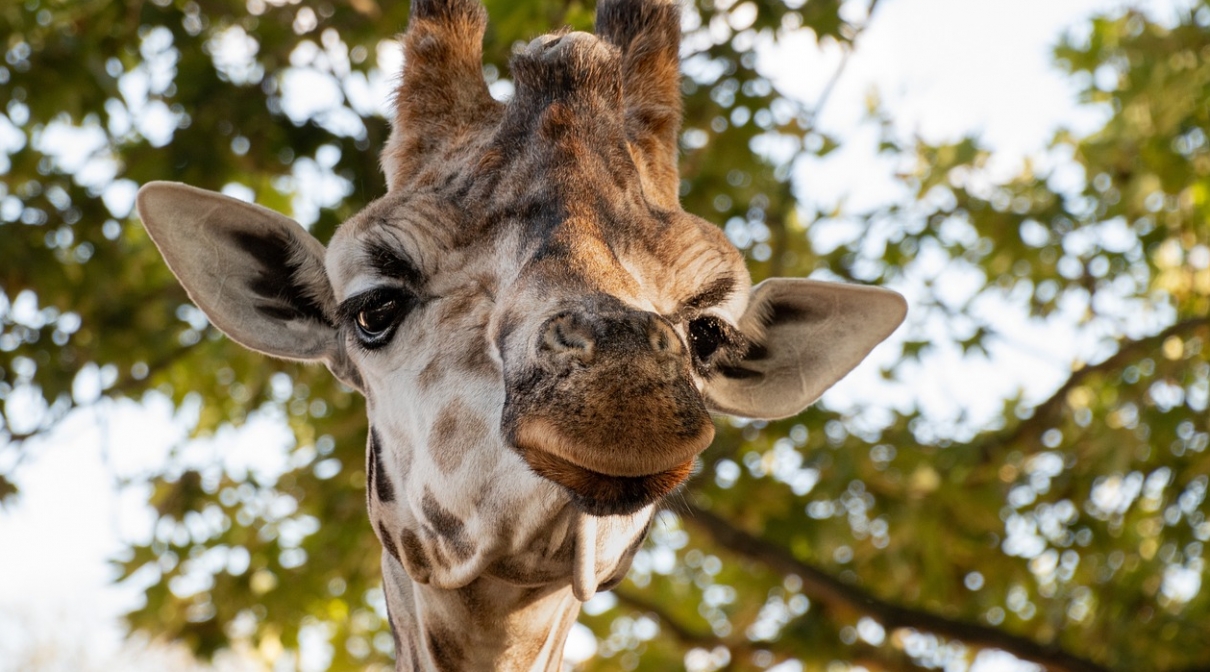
x: 1067, y: 523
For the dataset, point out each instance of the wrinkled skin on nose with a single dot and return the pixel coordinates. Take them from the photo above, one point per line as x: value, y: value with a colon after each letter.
x: 605, y: 406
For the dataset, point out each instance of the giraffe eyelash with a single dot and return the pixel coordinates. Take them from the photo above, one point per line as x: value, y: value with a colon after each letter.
x: 713, y: 342
x: 374, y: 315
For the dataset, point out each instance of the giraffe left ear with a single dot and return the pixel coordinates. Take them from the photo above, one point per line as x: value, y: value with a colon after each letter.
x: 257, y: 275
x: 806, y: 335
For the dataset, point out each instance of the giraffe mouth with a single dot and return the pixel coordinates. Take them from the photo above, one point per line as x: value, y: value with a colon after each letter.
x: 604, y: 495
x: 607, y: 408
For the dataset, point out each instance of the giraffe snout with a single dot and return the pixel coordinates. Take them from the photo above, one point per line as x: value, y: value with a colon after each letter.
x: 645, y: 339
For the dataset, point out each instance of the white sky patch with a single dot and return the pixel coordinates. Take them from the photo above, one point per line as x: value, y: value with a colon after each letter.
x: 11, y: 140
x: 119, y: 197
x: 307, y: 92
x: 1182, y: 584
x: 234, y: 52
x: 71, y: 518
x: 71, y: 146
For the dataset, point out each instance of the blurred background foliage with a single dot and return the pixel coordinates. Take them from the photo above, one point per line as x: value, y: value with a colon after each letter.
x: 1070, y: 531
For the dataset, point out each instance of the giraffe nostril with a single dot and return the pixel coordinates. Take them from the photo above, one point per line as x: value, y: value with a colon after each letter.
x: 663, y: 338
x: 637, y: 337
x: 567, y: 339
x: 567, y: 334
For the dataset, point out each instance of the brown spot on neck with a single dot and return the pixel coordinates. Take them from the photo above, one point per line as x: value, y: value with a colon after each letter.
x: 414, y: 560
x: 388, y: 542
x: 457, y: 431
x: 443, y: 645
x: 446, y: 526
x: 431, y: 374
x: 475, y: 360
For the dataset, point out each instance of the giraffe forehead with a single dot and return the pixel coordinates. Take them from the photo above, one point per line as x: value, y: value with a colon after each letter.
x: 410, y: 239
x: 623, y: 246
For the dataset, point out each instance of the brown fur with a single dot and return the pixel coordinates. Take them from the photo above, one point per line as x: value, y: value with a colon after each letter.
x: 446, y: 526
x: 457, y: 431
x: 446, y: 649
x: 388, y: 542
x: 378, y: 477
x: 415, y: 558
x: 432, y: 373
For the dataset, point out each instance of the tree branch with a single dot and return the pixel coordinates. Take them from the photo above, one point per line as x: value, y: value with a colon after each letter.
x: 128, y: 383
x: 830, y: 85
x: 741, y: 648
x: 831, y: 591
x: 1048, y: 411
x: 678, y: 630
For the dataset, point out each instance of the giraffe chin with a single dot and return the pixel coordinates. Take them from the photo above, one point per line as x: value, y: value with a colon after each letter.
x: 599, y: 494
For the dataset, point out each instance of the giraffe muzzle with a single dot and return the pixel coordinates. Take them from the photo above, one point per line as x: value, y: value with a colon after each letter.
x: 603, y: 495
x: 610, y: 412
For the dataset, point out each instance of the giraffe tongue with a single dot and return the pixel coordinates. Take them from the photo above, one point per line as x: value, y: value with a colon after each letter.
x: 605, y: 545
x: 584, y: 580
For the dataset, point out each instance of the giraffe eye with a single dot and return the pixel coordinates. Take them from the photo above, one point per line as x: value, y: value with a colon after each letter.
x: 706, y: 335
x: 376, y: 314
x: 374, y: 321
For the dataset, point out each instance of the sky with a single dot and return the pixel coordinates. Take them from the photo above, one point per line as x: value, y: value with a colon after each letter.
x: 944, y: 68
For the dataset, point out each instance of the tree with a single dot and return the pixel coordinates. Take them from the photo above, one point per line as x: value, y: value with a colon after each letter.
x: 1069, y: 532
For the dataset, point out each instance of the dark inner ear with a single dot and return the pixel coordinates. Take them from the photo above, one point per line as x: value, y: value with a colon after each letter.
x: 755, y: 352
x: 807, y: 335
x: 739, y: 372
x: 277, y: 281
x: 781, y: 313
x: 777, y: 315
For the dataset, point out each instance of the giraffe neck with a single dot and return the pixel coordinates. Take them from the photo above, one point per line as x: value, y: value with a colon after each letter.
x: 485, y: 625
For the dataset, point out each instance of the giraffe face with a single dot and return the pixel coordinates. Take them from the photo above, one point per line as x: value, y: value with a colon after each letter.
x: 531, y: 262
x: 537, y: 325
x: 579, y: 344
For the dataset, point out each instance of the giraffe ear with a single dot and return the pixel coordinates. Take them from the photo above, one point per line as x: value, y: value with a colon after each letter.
x: 258, y: 276
x: 806, y: 335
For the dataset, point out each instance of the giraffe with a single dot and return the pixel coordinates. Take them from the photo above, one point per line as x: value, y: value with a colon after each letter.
x: 539, y: 330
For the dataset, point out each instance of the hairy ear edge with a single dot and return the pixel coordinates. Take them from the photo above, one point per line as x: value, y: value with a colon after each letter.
x: 256, y: 274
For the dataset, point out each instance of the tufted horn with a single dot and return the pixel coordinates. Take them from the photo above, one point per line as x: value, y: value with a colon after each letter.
x: 442, y: 94
x: 576, y: 70
x: 648, y: 33
x: 567, y: 111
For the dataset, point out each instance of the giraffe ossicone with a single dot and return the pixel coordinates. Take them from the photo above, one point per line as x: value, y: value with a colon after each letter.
x: 539, y: 329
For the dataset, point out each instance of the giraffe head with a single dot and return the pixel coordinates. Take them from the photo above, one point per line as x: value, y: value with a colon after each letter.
x: 536, y: 324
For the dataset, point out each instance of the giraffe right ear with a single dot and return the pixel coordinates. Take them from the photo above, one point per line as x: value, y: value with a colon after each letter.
x: 258, y: 275
x: 806, y: 335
